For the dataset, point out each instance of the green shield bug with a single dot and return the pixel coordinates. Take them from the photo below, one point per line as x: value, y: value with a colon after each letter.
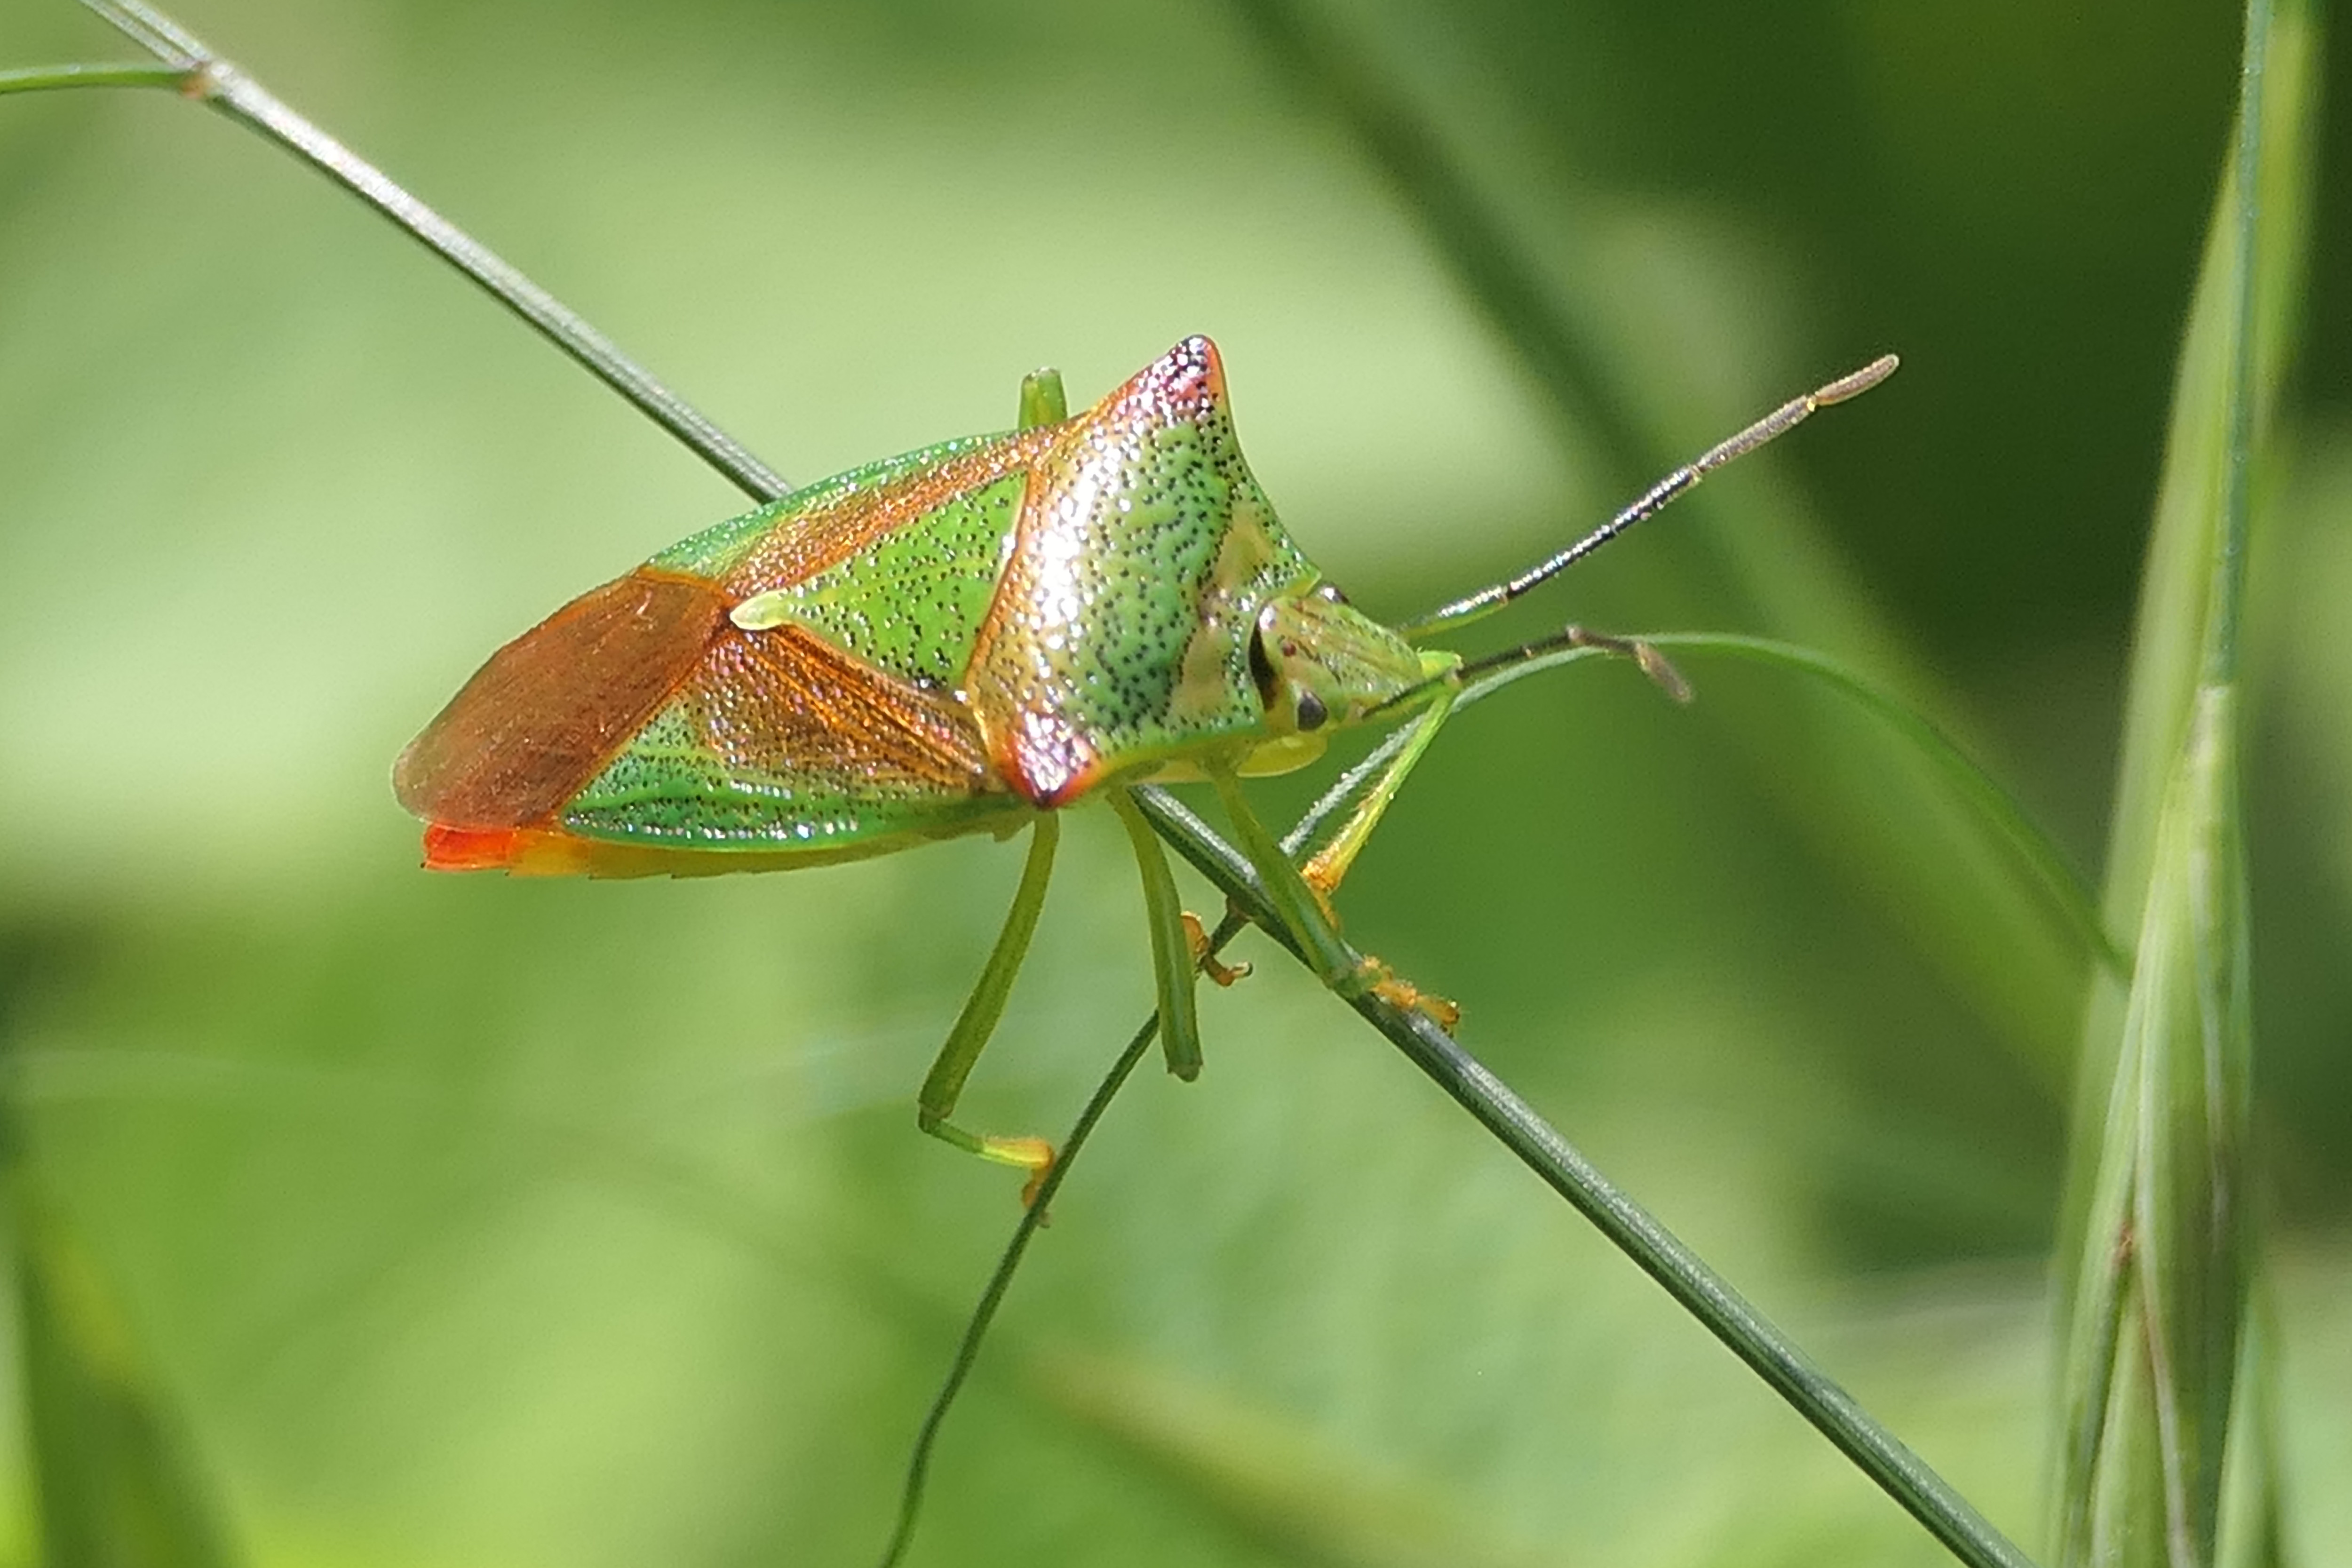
x: 967, y: 639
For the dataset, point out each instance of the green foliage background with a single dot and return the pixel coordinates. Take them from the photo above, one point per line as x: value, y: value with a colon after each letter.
x: 470, y: 1221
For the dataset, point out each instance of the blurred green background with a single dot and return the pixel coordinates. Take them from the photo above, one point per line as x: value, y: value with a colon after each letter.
x: 473, y: 1221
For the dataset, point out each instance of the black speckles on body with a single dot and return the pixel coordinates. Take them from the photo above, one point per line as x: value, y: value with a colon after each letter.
x: 911, y: 603
x: 1121, y: 631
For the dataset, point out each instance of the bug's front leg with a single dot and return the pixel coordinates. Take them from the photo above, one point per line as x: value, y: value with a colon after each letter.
x: 1324, y: 869
x: 1329, y: 865
x: 1301, y: 906
x: 944, y: 1083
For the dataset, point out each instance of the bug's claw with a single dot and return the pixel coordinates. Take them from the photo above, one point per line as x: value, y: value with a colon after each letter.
x: 1197, y: 939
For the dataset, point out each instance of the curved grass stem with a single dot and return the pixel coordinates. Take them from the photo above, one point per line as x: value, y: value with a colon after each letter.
x: 43, y: 78
x: 2045, y: 864
x: 2050, y: 867
x: 221, y: 86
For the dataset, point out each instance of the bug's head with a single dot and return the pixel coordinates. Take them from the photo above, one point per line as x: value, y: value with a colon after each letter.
x: 1321, y: 663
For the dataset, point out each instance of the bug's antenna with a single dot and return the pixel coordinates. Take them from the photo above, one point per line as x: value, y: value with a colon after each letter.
x: 1657, y: 498
x: 1568, y: 640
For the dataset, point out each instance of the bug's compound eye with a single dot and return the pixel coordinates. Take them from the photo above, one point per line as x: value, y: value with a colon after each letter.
x: 1311, y: 712
x: 1261, y: 666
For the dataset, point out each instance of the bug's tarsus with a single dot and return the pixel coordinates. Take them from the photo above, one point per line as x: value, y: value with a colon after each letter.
x: 1404, y: 995
x: 1662, y: 672
x: 1035, y: 1187
x: 1657, y: 498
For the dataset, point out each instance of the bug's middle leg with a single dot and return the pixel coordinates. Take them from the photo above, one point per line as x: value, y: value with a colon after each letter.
x: 944, y: 1083
x: 1174, y: 962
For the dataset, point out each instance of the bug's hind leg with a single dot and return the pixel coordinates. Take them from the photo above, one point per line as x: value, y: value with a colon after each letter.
x: 944, y: 1083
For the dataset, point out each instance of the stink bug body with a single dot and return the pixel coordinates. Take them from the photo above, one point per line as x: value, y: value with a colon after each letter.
x: 963, y: 639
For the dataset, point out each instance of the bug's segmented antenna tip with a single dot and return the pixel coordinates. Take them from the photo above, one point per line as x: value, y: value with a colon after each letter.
x: 1860, y: 382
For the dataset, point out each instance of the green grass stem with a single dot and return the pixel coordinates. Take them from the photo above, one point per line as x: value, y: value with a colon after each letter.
x: 43, y: 78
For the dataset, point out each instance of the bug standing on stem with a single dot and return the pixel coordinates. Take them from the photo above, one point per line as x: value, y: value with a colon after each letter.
x: 966, y: 639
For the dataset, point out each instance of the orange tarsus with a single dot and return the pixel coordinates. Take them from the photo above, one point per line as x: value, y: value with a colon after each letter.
x: 1405, y: 993
x: 1322, y: 880
x: 1045, y: 1156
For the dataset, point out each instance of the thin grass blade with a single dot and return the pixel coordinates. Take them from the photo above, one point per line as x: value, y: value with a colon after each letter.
x: 117, y: 1483
x: 2159, y: 1371
x: 1270, y: 1479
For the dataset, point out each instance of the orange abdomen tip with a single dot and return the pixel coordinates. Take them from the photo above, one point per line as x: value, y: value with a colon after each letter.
x: 468, y: 848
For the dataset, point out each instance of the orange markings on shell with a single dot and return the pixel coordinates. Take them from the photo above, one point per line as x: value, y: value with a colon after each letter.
x: 548, y: 852
x: 1047, y: 759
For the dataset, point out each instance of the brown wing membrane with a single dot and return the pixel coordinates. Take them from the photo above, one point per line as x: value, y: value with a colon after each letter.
x: 551, y: 707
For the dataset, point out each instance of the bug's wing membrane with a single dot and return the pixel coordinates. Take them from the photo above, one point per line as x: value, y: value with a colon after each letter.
x: 549, y: 708
x: 777, y: 741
